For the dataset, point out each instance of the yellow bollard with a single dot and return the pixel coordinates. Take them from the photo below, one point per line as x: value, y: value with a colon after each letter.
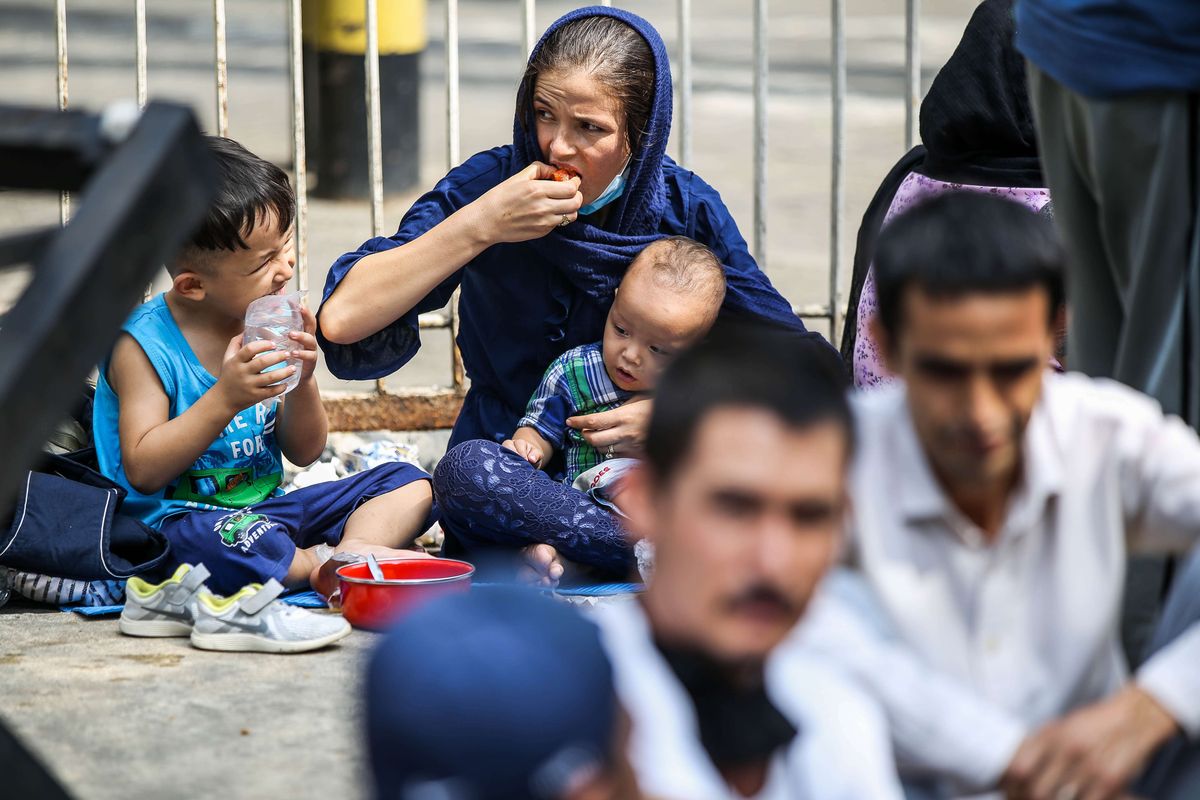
x: 335, y: 45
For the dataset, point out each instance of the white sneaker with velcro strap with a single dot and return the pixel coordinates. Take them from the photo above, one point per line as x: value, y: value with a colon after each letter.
x: 255, y: 620
x: 167, y: 608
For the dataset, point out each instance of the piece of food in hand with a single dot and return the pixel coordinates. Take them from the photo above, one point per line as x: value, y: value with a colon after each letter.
x: 565, y: 174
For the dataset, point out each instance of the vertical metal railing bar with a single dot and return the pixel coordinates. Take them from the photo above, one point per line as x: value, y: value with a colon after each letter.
x: 374, y: 124
x: 912, y: 73
x: 528, y: 26
x: 222, y: 67
x: 457, y: 371
x: 60, y: 28
x: 837, y: 200
x: 452, y: 121
x: 374, y: 128
x: 760, y: 133
x: 299, y: 156
x: 139, y: 28
x: 685, y: 82
x: 139, y: 24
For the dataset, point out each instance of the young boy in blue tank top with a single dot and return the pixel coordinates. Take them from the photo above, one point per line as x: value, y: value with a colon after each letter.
x: 189, y: 423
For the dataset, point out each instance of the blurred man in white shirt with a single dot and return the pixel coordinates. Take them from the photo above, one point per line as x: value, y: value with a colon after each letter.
x: 995, y: 504
x: 742, y: 492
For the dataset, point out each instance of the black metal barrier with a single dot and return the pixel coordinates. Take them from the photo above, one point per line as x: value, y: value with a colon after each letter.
x: 142, y: 195
x: 146, y: 184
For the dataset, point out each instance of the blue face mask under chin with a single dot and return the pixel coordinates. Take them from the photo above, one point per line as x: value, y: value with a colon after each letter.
x: 615, y: 189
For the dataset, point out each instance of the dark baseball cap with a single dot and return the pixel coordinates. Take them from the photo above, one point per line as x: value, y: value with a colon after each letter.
x: 498, y: 693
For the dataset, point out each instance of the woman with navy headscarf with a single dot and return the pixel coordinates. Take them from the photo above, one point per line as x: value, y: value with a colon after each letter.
x: 538, y: 261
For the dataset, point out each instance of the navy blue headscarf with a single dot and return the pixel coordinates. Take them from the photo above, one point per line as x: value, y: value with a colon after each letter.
x: 634, y: 219
x: 639, y: 209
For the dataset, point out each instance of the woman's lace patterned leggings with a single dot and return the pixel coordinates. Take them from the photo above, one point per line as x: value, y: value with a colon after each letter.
x: 491, y: 496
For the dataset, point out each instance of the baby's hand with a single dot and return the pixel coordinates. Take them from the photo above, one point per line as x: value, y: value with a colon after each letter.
x: 306, y: 354
x: 525, y: 449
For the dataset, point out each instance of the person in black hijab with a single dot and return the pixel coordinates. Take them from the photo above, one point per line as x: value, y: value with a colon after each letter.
x: 977, y: 134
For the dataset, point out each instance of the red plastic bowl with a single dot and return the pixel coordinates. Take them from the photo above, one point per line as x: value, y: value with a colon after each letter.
x: 372, y: 604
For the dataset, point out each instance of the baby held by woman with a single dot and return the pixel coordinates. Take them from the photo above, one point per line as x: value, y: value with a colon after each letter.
x: 667, y: 300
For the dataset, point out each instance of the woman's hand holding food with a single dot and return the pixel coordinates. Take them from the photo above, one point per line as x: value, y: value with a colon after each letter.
x: 528, y: 205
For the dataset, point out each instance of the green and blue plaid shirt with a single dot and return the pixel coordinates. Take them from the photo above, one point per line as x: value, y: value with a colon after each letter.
x: 576, y: 383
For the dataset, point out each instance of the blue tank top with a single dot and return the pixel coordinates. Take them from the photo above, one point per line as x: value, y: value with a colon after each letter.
x: 242, y: 467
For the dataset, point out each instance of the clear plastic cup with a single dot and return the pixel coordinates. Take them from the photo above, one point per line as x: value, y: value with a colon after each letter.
x: 271, y: 319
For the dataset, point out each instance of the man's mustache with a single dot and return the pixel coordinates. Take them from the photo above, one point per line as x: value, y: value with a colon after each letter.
x: 763, y: 594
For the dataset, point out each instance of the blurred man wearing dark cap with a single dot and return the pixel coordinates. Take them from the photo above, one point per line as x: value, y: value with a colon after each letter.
x: 742, y: 493
x: 496, y: 694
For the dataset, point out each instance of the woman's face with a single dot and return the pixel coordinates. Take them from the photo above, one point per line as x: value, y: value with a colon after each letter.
x: 579, y: 124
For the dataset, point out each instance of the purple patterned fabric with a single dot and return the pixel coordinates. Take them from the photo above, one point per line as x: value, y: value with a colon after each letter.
x: 490, y: 496
x: 868, y: 364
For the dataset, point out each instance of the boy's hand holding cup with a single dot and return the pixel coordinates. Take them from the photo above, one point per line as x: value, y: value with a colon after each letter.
x: 275, y: 352
x: 305, y: 344
x: 282, y: 320
x: 251, y: 373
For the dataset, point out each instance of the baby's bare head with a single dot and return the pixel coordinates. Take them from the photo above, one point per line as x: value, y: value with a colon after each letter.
x: 682, y: 267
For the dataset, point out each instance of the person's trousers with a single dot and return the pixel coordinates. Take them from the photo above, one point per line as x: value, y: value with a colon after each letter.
x: 1174, y: 773
x: 493, y: 500
x: 1123, y: 180
x: 1123, y: 176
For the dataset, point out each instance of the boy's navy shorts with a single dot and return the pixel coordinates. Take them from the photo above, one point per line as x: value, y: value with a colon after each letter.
x: 251, y: 545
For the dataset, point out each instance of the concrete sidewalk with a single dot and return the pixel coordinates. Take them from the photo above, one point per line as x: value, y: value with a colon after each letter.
x: 117, y: 717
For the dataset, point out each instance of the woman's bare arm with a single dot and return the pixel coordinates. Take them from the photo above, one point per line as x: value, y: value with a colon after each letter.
x: 384, y: 286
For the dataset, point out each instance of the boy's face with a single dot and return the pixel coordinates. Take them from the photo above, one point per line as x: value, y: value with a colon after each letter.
x: 646, y: 326
x: 230, y: 281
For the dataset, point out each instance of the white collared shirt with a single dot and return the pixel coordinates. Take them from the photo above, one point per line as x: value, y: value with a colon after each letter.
x: 841, y: 752
x: 1031, y: 621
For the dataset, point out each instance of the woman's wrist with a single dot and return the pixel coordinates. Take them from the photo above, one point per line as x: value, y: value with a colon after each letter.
x: 475, y: 227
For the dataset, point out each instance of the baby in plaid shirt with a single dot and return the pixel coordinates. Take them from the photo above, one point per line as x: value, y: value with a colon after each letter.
x: 668, y: 299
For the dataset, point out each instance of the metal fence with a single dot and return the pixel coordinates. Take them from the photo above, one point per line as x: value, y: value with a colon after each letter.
x: 437, y: 407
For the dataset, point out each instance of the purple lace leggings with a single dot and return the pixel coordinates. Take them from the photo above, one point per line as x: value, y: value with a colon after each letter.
x: 490, y: 496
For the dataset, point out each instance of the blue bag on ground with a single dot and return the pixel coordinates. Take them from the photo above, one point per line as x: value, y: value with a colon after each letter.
x: 65, y: 522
